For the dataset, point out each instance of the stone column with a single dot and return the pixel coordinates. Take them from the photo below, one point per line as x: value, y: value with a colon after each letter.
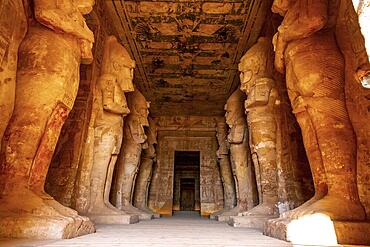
x: 148, y: 157
x: 47, y: 84
x: 116, y: 79
x: 245, y: 181
x: 307, y: 52
x: 134, y: 139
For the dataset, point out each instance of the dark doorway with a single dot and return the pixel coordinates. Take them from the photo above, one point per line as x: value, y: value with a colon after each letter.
x: 186, y: 181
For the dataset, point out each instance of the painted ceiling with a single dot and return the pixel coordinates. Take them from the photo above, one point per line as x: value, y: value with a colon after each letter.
x: 187, y: 52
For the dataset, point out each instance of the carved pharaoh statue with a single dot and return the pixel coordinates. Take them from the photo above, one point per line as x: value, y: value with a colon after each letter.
x: 240, y: 156
x: 115, y: 80
x: 256, y: 81
x: 134, y: 140
x: 148, y: 157
x: 57, y: 41
x: 307, y: 52
x: 225, y: 167
x: 12, y: 31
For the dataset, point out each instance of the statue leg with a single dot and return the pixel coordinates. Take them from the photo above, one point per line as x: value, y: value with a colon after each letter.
x: 335, y: 139
x: 103, y: 156
x: 142, y: 184
x: 263, y: 137
x: 311, y: 145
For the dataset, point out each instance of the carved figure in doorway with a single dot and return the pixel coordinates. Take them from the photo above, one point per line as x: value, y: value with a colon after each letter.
x: 148, y: 157
x: 134, y: 140
x: 307, y: 52
x: 57, y: 41
x: 115, y: 80
x: 240, y: 156
x: 256, y: 81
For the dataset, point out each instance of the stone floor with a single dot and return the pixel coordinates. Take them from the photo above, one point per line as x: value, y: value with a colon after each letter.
x: 184, y: 229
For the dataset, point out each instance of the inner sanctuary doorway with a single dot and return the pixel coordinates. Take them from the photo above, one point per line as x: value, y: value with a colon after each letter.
x: 186, y: 181
x: 182, y: 140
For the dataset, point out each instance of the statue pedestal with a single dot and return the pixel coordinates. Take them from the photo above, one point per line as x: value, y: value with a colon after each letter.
x: 45, y: 227
x: 114, y: 219
x: 251, y: 221
x: 318, y: 229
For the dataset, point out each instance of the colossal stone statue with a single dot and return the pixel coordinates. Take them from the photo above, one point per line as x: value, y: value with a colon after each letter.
x: 13, y: 27
x: 256, y: 81
x: 240, y: 156
x: 148, y: 157
x: 225, y: 167
x: 57, y: 41
x: 306, y: 51
x: 134, y: 139
x: 115, y: 80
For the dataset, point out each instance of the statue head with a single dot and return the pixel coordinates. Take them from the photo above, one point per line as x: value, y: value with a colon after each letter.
x: 221, y: 133
x: 256, y: 63
x: 281, y: 6
x: 235, y: 117
x: 84, y: 6
x: 235, y: 108
x: 138, y: 118
x: 117, y: 62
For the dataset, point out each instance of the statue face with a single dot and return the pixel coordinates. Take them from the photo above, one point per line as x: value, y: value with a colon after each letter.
x: 84, y: 6
x: 125, y: 76
x: 229, y: 115
x: 281, y: 6
x: 120, y: 65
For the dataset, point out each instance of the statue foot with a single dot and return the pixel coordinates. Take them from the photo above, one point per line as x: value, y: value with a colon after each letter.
x: 133, y: 210
x: 105, y: 209
x: 234, y: 211
x: 294, y: 213
x: 337, y: 208
x: 262, y: 209
x: 24, y: 214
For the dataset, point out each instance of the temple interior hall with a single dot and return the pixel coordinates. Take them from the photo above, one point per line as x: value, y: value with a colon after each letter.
x: 184, y: 123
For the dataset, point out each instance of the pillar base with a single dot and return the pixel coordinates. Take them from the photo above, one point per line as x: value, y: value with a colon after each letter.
x: 44, y: 227
x: 250, y: 221
x: 115, y: 219
x: 318, y: 229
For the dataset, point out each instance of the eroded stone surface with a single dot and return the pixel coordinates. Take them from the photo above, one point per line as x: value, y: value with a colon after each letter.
x: 47, y: 84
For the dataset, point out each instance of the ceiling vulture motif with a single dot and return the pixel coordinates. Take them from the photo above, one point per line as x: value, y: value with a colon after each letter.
x: 187, y: 52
